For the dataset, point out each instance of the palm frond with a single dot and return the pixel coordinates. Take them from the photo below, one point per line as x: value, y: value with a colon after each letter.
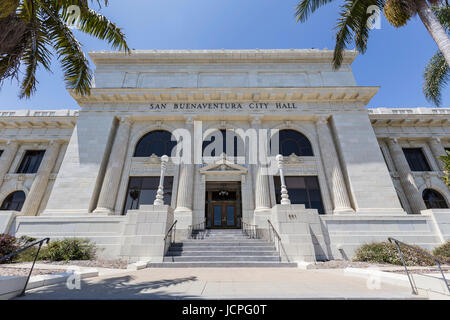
x: 442, y: 12
x: 77, y: 74
x: 436, y: 76
x: 306, y: 7
x: 35, y: 54
x: 99, y: 26
x: 352, y: 27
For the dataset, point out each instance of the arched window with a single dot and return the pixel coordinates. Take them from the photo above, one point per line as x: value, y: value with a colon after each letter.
x: 223, y: 141
x: 291, y: 142
x: 158, y: 142
x: 433, y: 199
x: 14, y: 201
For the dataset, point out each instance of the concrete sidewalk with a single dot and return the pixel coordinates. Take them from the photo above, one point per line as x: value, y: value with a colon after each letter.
x: 237, y: 283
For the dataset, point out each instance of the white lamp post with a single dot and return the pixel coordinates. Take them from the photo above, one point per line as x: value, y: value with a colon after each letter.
x: 284, y: 193
x: 159, y: 201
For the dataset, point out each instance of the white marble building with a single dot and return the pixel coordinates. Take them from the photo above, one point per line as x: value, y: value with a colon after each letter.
x: 353, y: 174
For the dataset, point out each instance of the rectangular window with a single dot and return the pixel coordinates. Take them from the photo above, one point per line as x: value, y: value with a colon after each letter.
x: 31, y: 161
x: 142, y: 190
x: 416, y: 159
x: 302, y: 190
x: 1, y: 152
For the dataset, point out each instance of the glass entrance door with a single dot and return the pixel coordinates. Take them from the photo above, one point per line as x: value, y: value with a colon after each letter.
x: 224, y: 215
x: 223, y: 205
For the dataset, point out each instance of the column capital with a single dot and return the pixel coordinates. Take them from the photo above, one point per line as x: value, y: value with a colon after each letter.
x: 255, y: 121
x: 435, y: 139
x: 322, y: 120
x: 125, y: 120
x: 189, y: 121
x: 392, y: 140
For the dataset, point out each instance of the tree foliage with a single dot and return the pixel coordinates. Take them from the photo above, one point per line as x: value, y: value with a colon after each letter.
x: 31, y: 31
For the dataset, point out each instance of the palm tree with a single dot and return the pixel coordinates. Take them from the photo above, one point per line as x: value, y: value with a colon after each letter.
x: 437, y: 71
x: 352, y: 24
x: 32, y: 30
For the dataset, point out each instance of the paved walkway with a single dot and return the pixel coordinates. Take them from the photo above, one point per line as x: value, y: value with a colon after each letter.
x: 226, y: 283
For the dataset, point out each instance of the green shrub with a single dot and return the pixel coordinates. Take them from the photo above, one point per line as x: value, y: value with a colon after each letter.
x: 69, y: 249
x: 29, y: 254
x: 386, y: 253
x: 8, y: 244
x: 443, y: 252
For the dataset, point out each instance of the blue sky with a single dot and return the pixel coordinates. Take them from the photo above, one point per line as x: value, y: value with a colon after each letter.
x: 394, y: 60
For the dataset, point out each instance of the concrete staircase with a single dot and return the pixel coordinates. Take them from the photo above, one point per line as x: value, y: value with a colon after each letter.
x: 221, y: 248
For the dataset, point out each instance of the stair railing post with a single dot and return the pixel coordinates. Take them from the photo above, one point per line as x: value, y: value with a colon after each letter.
x: 284, y: 192
x: 159, y: 201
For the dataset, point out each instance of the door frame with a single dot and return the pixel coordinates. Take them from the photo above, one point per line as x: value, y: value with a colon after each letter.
x: 209, y: 204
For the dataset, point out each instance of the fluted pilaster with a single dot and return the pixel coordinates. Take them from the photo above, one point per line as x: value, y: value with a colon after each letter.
x: 39, y: 186
x: 186, y: 178
x: 406, y: 177
x: 7, y: 158
x: 333, y: 172
x: 111, y: 181
x: 262, y: 193
x: 437, y: 150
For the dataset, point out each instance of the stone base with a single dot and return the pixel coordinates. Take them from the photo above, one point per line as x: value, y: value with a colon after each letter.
x: 301, y: 233
x: 144, y: 232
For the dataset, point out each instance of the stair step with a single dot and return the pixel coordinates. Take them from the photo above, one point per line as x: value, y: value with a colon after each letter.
x: 223, y: 265
x: 221, y: 258
x: 223, y: 248
x: 221, y: 244
x: 215, y: 253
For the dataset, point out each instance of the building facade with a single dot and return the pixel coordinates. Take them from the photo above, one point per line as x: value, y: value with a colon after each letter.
x: 353, y: 175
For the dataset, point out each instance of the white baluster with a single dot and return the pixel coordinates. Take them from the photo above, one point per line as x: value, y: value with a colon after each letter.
x: 284, y: 193
x: 159, y: 201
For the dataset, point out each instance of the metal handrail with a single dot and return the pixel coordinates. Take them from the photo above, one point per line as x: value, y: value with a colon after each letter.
x: 40, y: 242
x: 193, y: 227
x: 437, y: 260
x: 170, y: 229
x: 171, y: 233
x: 248, y: 229
x: 278, y: 244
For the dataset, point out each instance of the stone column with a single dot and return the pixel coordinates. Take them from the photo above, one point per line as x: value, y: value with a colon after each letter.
x: 111, y: 181
x: 406, y: 177
x: 437, y: 150
x: 7, y: 159
x: 39, y: 186
x: 333, y: 172
x: 186, y: 179
x: 262, y: 193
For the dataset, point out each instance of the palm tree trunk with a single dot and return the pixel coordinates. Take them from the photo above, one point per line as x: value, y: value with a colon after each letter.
x: 435, y: 28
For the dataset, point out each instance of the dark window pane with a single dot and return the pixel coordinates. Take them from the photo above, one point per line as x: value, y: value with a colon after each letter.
x: 416, y: 159
x: 433, y: 199
x: 157, y: 142
x: 14, y: 201
x: 291, y: 142
x: 1, y: 152
x: 302, y: 190
x: 142, y: 190
x: 232, y: 144
x: 31, y: 161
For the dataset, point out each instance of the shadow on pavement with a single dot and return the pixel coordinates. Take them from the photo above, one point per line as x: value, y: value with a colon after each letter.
x: 113, y: 288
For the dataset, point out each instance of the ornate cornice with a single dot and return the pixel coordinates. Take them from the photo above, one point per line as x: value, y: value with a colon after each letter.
x: 219, y: 56
x: 149, y: 95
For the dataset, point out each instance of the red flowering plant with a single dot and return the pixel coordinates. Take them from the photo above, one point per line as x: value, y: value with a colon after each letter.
x: 8, y: 244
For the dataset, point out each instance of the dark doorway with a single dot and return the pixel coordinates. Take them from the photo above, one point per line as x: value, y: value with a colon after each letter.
x: 223, y: 205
